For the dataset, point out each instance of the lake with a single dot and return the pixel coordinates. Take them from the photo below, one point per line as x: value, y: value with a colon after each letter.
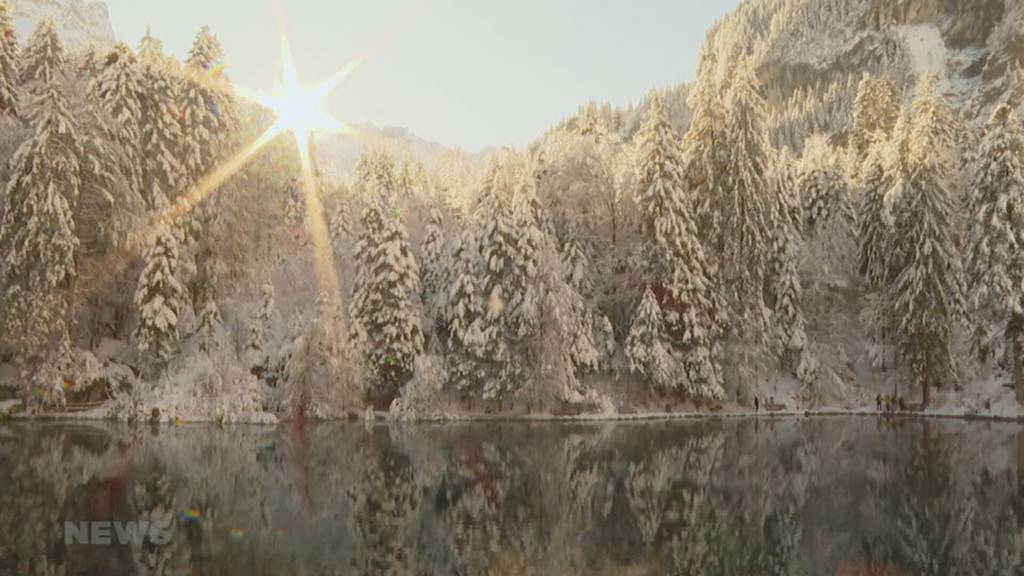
x: 817, y: 496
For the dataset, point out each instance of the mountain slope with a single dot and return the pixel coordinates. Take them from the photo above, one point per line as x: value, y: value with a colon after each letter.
x: 79, y: 23
x: 818, y: 49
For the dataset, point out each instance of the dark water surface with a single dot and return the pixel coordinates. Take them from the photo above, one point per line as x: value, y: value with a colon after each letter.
x: 831, y: 496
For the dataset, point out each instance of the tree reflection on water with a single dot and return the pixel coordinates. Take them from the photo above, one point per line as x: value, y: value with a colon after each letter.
x: 850, y: 496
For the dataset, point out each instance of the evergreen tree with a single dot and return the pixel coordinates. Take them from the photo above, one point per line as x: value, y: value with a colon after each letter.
x: 874, y: 217
x: 42, y: 62
x: 739, y: 213
x: 163, y: 172
x: 199, y: 106
x: 500, y: 284
x: 8, y: 63
x: 385, y: 322
x: 577, y: 267
x: 678, y: 271
x: 119, y: 90
x: 926, y: 295
x: 151, y: 50
x: 159, y: 298
x: 705, y: 154
x: 324, y: 375
x: 875, y: 112
x: 434, y: 282
x: 996, y: 242
x: 260, y: 323
x: 465, y: 316
x: 647, y: 347
x: 38, y: 238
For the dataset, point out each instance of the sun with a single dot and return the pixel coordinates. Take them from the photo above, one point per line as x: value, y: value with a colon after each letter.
x: 298, y: 108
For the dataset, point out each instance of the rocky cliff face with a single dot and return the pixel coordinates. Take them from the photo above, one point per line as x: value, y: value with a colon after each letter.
x: 810, y: 52
x: 80, y: 23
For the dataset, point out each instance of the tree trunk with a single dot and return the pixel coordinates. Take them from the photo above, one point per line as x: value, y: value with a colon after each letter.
x: 1016, y: 334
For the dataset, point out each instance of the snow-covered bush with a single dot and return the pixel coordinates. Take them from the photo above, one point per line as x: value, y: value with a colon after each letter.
x: 324, y: 376
x: 421, y: 397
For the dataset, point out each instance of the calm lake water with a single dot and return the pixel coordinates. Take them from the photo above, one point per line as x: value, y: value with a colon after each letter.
x: 816, y: 496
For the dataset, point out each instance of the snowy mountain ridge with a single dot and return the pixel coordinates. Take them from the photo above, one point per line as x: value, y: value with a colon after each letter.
x: 822, y: 47
x: 79, y: 23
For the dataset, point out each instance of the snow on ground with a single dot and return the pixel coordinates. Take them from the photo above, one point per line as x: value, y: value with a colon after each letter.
x: 927, y: 51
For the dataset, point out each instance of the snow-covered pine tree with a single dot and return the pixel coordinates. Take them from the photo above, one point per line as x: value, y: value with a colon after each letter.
x: 789, y: 316
x: 260, y: 323
x: 647, y: 346
x: 465, y: 316
x: 434, y: 285
x: 119, y: 90
x: 577, y: 267
x: 705, y: 153
x: 340, y: 227
x: 499, y: 283
x: 829, y: 215
x: 384, y: 314
x: 875, y: 112
x: 874, y: 216
x: 159, y: 298
x: 38, y: 238
x: 163, y: 172
x: 209, y: 321
x: 739, y: 213
x: 363, y: 298
x: 42, y: 60
x: 996, y: 243
x: 9, y: 80
x: 151, y: 50
x: 199, y: 107
x: 324, y: 375
x: 863, y: 115
x: 678, y: 271
x: 926, y: 297
x: 295, y: 203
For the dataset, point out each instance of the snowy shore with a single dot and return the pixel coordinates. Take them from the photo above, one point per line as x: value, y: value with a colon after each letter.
x: 1002, y: 415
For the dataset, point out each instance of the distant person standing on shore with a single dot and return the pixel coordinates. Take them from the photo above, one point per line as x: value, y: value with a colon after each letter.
x: 878, y: 403
x: 757, y: 404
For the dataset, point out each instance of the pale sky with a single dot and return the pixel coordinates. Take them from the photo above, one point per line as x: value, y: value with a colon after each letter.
x: 466, y: 73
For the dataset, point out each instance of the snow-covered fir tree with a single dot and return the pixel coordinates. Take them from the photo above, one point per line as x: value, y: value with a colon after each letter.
x: 996, y: 243
x: 577, y: 266
x: 163, y: 172
x: 259, y: 324
x: 324, y: 375
x: 295, y: 203
x: 119, y: 90
x: 926, y: 296
x: 874, y: 216
x: 647, y: 347
x: 738, y: 213
x: 434, y: 284
x: 199, y: 108
x: 209, y: 322
x: 42, y: 60
x: 385, y: 312
x: 875, y: 112
x: 828, y: 213
x: 151, y: 50
x: 38, y: 238
x: 705, y: 152
x: 9, y: 80
x: 159, y: 298
x: 465, y: 316
x: 678, y: 271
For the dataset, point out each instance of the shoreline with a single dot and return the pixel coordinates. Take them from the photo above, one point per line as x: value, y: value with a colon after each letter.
x: 384, y: 417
